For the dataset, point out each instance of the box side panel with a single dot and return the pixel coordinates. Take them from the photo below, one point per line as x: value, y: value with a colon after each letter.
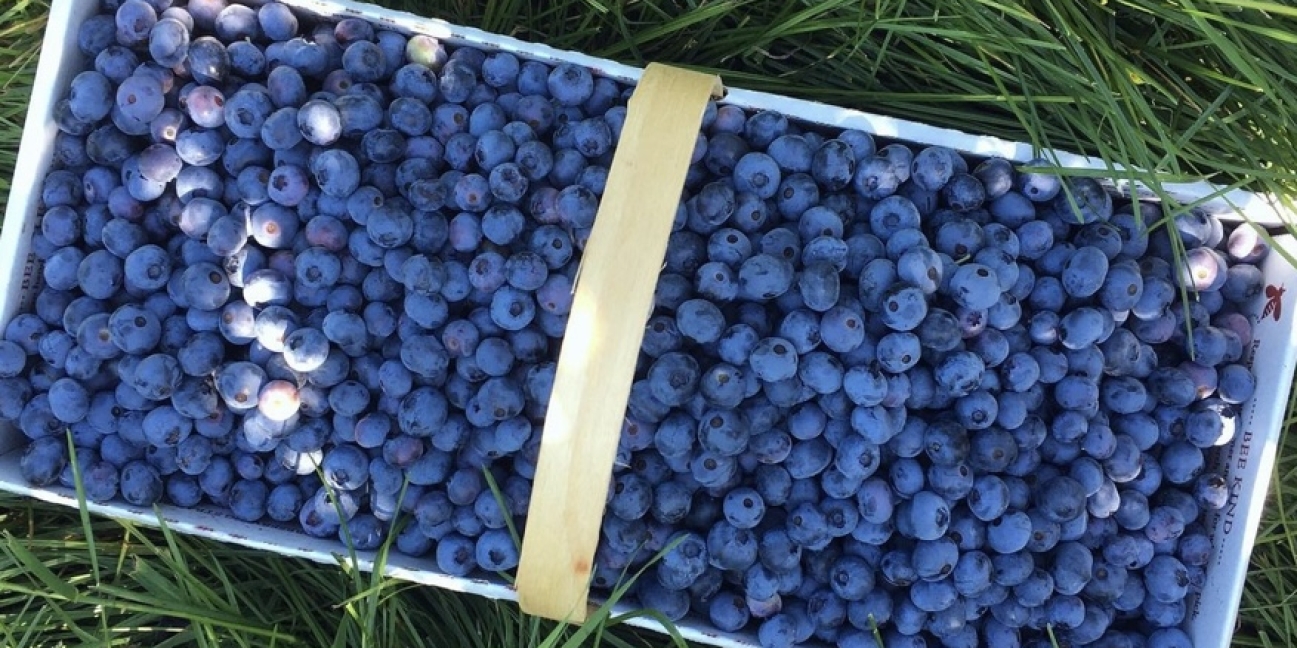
x: 60, y: 61
x: 1248, y: 461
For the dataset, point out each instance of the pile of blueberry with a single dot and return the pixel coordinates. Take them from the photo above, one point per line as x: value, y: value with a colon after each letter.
x: 298, y: 269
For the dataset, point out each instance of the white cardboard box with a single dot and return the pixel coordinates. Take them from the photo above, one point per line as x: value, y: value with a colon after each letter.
x: 1247, y: 462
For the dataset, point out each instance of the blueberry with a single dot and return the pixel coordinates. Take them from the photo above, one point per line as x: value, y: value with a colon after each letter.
x: 61, y: 269
x: 1039, y: 187
x: 1236, y: 383
x: 495, y: 551
x: 774, y: 359
x: 963, y: 192
x: 91, y: 96
x: 1202, y: 269
x: 248, y: 499
x: 1181, y: 462
x: 1211, y: 491
x: 140, y: 484
x: 277, y: 21
x: 933, y: 167
x: 1246, y: 245
x: 134, y: 20
x: 1010, y: 533
x: 898, y: 352
x: 570, y: 85
x: 100, y: 274
x: 723, y: 385
x: 1123, y: 394
x: 1166, y: 579
x: 757, y: 173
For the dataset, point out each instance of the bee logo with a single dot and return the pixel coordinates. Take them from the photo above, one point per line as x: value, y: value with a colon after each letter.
x: 1274, y: 302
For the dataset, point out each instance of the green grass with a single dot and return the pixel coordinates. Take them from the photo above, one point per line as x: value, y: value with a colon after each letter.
x: 20, y: 29
x: 1187, y: 88
x: 156, y: 588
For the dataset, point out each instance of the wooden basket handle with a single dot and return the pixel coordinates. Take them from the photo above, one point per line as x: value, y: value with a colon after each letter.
x: 605, y: 327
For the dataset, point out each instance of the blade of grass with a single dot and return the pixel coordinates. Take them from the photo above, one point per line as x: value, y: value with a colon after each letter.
x: 82, y: 509
x: 36, y: 569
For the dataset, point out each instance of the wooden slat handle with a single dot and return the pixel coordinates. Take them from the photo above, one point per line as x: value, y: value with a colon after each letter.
x: 605, y: 327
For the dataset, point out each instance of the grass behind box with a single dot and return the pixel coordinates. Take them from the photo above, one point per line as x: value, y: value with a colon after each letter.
x: 1191, y: 88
